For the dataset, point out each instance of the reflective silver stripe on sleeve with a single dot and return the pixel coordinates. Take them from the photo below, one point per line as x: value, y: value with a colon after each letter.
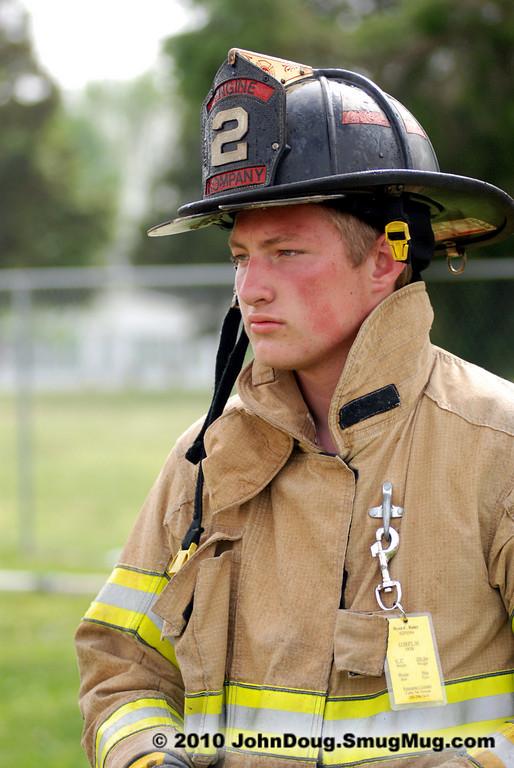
x: 130, y: 599
x: 129, y: 719
x: 124, y: 597
x: 202, y: 723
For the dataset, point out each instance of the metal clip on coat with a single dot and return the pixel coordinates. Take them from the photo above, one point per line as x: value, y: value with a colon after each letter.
x: 387, y: 510
x: 384, y: 555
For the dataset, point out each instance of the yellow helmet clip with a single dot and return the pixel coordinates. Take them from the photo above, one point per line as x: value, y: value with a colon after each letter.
x: 398, y: 237
x: 179, y: 560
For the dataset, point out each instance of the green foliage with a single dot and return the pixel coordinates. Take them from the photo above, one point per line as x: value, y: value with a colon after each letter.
x: 49, y: 215
x: 474, y: 320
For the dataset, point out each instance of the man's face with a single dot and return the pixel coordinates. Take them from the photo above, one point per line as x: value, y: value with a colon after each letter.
x: 301, y: 299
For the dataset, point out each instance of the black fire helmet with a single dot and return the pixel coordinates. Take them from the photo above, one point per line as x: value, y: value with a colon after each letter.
x: 277, y: 132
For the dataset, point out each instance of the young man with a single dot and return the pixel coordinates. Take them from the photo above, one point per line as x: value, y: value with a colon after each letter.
x: 322, y: 574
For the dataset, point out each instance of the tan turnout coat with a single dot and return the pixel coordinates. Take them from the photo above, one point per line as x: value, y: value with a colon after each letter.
x: 272, y: 627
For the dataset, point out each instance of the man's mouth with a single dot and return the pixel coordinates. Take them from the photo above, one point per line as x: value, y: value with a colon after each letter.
x: 260, y: 323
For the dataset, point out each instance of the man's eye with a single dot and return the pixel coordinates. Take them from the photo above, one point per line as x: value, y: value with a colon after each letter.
x: 289, y: 252
x: 238, y: 258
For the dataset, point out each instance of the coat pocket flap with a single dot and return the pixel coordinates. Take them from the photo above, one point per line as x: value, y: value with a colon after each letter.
x: 175, y: 598
x: 172, y: 605
x: 360, y: 642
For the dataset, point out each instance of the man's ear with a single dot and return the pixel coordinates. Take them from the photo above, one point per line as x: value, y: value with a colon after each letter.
x: 383, y: 269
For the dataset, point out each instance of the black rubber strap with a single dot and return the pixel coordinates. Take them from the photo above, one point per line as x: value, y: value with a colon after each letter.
x: 195, y: 530
x: 229, y: 360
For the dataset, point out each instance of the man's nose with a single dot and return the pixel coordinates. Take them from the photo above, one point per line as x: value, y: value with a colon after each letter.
x: 254, y: 282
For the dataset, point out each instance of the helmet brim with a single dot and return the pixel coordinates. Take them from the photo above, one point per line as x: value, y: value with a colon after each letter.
x: 465, y: 211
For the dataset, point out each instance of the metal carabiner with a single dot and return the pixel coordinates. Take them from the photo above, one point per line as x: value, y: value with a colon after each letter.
x: 377, y: 548
x: 384, y: 555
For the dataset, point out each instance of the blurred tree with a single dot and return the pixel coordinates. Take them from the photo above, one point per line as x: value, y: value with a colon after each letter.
x: 133, y: 121
x: 51, y: 214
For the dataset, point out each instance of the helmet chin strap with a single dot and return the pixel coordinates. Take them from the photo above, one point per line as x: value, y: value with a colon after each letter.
x: 229, y: 361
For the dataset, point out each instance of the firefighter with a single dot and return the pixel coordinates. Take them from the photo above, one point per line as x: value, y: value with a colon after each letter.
x: 322, y: 574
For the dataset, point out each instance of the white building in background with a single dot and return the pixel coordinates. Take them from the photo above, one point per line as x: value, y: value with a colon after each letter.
x: 144, y: 340
x: 123, y: 339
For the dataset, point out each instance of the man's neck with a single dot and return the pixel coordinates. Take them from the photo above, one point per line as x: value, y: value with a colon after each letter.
x: 317, y: 388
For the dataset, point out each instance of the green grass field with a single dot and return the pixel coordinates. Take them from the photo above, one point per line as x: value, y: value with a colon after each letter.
x: 95, y: 457
x: 40, y: 724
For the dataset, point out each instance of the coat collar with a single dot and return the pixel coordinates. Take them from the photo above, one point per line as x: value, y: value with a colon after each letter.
x: 247, y: 446
x: 386, y: 370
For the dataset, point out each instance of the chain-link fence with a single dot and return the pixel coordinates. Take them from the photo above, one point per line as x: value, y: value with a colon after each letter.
x: 143, y: 327
x: 156, y: 327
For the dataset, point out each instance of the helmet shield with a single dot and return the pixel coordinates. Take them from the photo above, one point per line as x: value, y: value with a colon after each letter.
x: 243, y: 128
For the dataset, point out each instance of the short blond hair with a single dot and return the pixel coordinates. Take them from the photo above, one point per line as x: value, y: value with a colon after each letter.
x: 360, y: 238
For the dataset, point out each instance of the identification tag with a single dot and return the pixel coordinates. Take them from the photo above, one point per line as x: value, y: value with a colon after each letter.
x: 413, y: 667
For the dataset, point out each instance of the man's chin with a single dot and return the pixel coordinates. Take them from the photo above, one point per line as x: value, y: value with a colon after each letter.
x: 278, y: 354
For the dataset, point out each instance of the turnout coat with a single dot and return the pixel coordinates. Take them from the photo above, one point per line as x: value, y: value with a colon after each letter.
x: 268, y: 646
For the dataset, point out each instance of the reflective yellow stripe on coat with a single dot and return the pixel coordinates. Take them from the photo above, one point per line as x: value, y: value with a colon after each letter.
x: 204, y: 715
x: 255, y: 718
x: 475, y: 707
x: 132, y: 718
x: 125, y: 603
